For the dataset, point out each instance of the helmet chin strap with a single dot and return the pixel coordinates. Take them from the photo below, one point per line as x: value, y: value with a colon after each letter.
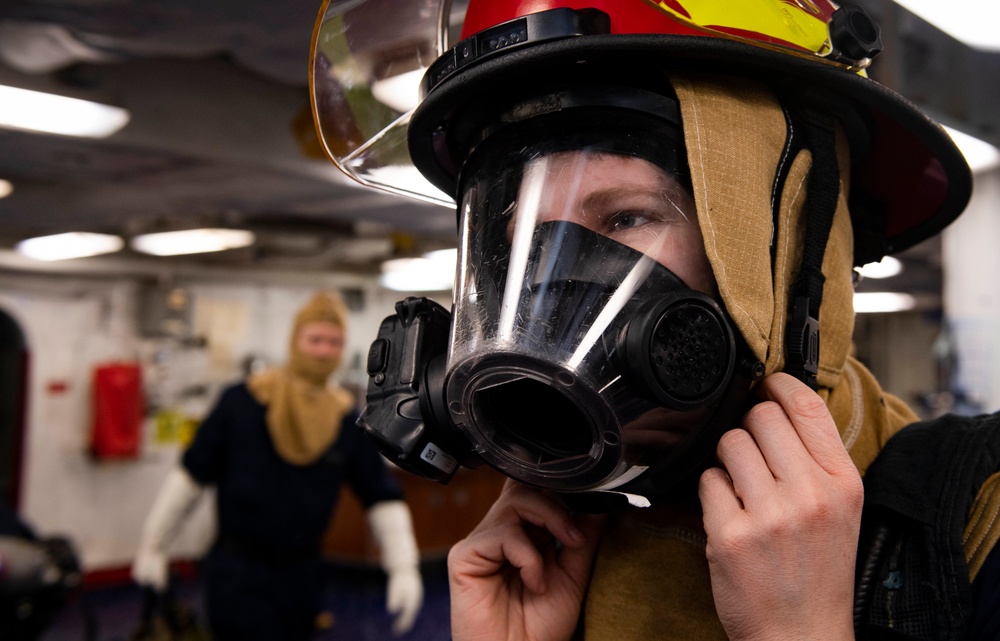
x: 802, y: 342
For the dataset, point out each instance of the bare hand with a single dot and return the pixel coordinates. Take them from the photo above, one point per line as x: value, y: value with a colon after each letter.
x: 782, y: 519
x: 521, y: 574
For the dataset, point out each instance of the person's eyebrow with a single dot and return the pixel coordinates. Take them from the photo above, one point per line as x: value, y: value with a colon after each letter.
x: 612, y: 198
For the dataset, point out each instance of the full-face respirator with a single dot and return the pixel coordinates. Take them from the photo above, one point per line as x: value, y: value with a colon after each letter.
x: 576, y: 358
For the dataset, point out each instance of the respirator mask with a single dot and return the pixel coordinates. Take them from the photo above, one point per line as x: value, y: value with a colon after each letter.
x: 585, y: 352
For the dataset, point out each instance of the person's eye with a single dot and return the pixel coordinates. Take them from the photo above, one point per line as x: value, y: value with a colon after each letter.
x: 629, y: 219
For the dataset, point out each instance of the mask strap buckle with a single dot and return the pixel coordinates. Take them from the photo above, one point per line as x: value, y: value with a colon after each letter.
x: 802, y: 343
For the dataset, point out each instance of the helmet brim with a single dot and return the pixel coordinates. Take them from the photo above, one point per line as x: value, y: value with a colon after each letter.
x: 913, y: 173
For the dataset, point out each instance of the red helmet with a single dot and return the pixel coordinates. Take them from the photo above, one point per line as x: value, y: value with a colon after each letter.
x: 554, y: 124
x: 910, y: 177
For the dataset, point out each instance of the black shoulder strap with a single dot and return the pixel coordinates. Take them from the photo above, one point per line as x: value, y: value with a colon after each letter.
x: 912, y: 577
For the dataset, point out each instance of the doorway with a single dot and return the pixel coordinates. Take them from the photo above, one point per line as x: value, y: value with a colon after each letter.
x: 13, y: 397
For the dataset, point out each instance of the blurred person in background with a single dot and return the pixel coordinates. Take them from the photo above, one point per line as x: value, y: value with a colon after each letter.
x: 277, y: 447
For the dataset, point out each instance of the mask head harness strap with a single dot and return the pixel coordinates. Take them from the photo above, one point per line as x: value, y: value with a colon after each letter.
x: 802, y: 342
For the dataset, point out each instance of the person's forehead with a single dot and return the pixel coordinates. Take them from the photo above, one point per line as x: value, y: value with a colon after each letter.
x: 603, y: 169
x: 319, y: 328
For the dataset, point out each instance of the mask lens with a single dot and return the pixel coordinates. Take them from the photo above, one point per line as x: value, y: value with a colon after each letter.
x: 561, y: 249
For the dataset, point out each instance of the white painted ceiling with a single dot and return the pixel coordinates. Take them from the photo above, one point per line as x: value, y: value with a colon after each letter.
x: 218, y: 89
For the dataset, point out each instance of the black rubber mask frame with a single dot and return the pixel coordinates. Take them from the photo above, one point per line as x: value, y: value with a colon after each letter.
x: 590, y: 366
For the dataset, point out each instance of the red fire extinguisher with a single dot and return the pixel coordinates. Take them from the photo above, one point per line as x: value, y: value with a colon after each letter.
x: 119, y: 408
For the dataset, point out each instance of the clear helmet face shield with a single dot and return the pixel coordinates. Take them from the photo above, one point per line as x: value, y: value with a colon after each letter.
x: 587, y: 351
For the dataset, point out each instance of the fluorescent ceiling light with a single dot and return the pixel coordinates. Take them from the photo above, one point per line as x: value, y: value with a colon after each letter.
x: 973, y: 22
x: 981, y: 156
x: 886, y: 268
x: 6, y: 189
x: 74, y: 244
x: 882, y: 302
x: 191, y: 241
x: 446, y: 259
x: 401, y: 92
x: 432, y: 272
x: 49, y: 113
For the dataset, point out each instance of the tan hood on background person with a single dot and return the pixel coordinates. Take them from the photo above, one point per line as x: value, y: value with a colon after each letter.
x: 304, y: 412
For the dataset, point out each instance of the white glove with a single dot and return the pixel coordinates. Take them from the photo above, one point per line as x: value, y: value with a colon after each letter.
x: 392, y: 528
x: 176, y: 498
